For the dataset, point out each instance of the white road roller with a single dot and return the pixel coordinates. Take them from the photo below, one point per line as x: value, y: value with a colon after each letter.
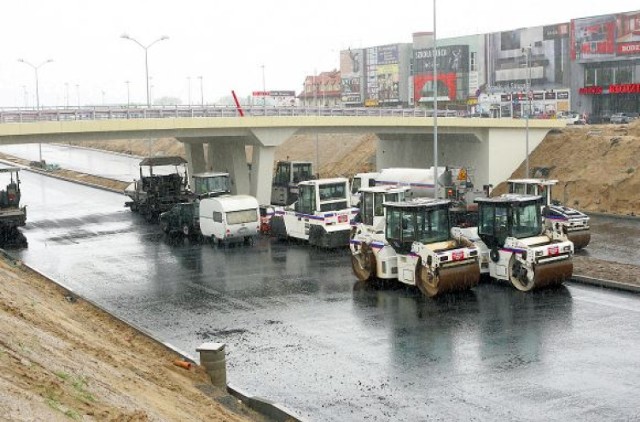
x: 521, y: 249
x: 368, y: 234
x: 321, y: 215
x: 418, y: 232
x: 573, y: 223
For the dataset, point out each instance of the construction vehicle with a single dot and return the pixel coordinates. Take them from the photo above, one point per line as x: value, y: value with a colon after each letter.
x: 379, y: 259
x: 155, y: 193
x: 321, y: 215
x: 418, y: 231
x: 359, y: 181
x: 454, y: 183
x: 288, y: 174
x: 12, y: 215
x: 573, y: 223
x: 521, y: 249
x: 184, y: 217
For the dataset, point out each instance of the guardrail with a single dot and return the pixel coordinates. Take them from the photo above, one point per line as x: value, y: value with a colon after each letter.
x: 109, y: 113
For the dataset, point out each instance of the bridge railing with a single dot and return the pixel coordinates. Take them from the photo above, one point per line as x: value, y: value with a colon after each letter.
x: 19, y: 115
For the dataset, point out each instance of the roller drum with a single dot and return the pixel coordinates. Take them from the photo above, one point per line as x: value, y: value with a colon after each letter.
x: 448, y: 279
x: 580, y: 239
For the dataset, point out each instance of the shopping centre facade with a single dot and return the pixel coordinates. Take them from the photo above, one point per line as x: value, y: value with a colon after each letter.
x: 589, y: 65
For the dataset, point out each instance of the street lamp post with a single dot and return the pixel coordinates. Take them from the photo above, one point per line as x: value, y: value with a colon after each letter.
x: 201, y: 92
x: 264, y: 90
x: 146, y: 58
x: 435, y: 107
x: 189, y: 93
x: 128, y: 97
x: 529, y: 95
x: 35, y: 69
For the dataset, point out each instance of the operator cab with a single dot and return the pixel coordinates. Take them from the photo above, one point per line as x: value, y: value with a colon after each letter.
x: 325, y: 195
x: 508, y: 215
x: 421, y: 220
x: 373, y: 198
x: 211, y: 184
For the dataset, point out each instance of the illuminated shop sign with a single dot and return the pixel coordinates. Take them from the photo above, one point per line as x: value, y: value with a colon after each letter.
x: 613, y: 89
x: 624, y: 89
x: 590, y: 90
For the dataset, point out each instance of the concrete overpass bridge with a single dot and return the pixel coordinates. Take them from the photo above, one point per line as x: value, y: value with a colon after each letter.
x: 493, y: 147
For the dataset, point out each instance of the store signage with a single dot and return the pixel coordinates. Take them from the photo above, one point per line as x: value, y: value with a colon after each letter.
x: 590, y: 90
x: 624, y: 89
x: 613, y: 89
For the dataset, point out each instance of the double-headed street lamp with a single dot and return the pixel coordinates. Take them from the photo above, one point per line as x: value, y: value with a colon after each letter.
x: 146, y: 59
x: 35, y: 69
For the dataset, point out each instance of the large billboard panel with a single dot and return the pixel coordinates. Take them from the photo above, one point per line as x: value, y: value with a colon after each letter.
x: 607, y: 37
x: 450, y: 59
x: 351, y: 71
x: 388, y: 82
x: 423, y: 87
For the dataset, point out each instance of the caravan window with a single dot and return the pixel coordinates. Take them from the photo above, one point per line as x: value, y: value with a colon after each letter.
x: 242, y: 216
x: 217, y: 217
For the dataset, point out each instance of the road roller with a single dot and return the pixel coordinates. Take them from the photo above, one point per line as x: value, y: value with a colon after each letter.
x: 371, y: 254
x: 418, y: 231
x: 522, y: 250
x: 573, y: 224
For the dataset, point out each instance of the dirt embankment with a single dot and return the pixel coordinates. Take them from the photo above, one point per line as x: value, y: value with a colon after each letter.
x: 63, y: 359
x: 598, y: 167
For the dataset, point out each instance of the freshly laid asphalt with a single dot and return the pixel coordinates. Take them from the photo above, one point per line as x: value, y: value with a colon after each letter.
x: 300, y: 331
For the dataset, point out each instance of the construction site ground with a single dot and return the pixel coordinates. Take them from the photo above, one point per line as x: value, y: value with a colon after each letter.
x: 62, y: 358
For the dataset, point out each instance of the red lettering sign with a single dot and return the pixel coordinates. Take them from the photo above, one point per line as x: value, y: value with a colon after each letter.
x: 457, y: 255
x: 628, y: 48
x: 554, y: 250
x: 590, y: 90
x: 624, y: 89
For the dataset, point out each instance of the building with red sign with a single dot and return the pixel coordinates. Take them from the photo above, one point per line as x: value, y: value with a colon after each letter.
x: 590, y: 65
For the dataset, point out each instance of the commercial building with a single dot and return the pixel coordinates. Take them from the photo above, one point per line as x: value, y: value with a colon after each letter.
x: 589, y: 65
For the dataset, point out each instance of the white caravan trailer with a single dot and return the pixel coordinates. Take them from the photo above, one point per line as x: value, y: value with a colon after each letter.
x: 229, y: 218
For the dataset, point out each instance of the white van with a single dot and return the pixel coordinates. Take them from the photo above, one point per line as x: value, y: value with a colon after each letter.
x: 229, y: 218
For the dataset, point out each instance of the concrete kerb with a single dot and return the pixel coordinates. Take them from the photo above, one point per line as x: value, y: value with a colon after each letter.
x: 610, y: 284
x: 57, y: 176
x: 266, y: 407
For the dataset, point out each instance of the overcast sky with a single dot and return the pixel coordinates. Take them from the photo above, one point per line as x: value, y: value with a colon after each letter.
x: 226, y: 43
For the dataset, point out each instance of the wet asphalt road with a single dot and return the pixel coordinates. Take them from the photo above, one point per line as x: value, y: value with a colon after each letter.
x: 613, y: 239
x: 99, y: 163
x: 301, y: 332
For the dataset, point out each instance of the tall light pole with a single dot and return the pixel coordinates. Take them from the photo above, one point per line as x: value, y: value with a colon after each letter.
x: 146, y: 58
x: 35, y: 70
x: 435, y: 107
x: 66, y: 94
x: 25, y: 96
x: 189, y: 93
x: 78, y: 94
x: 201, y: 92
x: 128, y: 96
x: 529, y: 95
x: 264, y: 89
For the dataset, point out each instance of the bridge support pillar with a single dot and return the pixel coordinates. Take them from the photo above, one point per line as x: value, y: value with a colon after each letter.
x: 195, y: 157
x: 231, y: 157
x: 262, y: 173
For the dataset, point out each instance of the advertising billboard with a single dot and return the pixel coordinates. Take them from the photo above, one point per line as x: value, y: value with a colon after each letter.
x: 451, y: 61
x: 593, y: 38
x: 351, y: 70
